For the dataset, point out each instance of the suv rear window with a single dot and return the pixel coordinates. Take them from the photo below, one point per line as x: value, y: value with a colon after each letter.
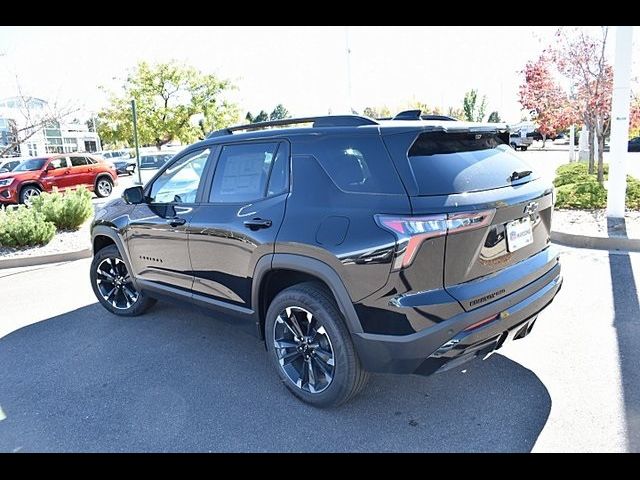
x: 458, y: 162
x: 358, y: 163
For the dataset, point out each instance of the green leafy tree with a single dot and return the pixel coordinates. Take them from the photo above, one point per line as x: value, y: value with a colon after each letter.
x: 423, y: 107
x: 279, y: 113
x: 457, y: 113
x: 473, y: 107
x: 494, y: 117
x: 168, y: 97
x: 261, y: 117
x: 377, y: 112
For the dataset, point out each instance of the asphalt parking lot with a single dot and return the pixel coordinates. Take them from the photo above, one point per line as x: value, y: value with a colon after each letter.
x: 76, y: 378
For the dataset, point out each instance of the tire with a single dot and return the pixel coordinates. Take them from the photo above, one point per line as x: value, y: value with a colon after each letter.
x: 524, y: 149
x: 330, y: 385
x: 27, y: 192
x: 103, y: 186
x: 125, y: 301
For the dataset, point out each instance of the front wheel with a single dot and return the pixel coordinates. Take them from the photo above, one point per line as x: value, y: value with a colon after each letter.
x: 28, y: 193
x: 104, y: 187
x: 113, y: 287
x: 310, y: 346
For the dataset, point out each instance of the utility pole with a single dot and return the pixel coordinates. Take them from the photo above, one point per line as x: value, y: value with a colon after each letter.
x: 620, y: 105
x: 135, y: 139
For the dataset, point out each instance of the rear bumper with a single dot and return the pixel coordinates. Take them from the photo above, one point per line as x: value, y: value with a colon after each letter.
x: 455, y: 340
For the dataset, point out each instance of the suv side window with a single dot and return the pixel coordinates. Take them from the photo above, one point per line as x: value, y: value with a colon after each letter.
x: 179, y: 183
x: 78, y: 161
x: 242, y: 173
x: 358, y: 164
x: 59, y: 163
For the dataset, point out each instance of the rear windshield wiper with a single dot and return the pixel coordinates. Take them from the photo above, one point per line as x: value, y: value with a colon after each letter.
x: 518, y: 175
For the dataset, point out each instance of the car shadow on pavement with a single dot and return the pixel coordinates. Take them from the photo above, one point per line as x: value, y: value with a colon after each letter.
x: 627, y: 324
x: 170, y: 381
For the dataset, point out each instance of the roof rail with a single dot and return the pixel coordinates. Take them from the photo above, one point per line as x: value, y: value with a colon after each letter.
x: 325, y: 121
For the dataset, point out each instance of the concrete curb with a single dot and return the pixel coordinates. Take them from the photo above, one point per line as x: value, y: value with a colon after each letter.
x: 44, y: 259
x: 598, y: 243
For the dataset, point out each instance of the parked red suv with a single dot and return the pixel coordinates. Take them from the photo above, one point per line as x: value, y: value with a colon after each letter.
x: 63, y: 171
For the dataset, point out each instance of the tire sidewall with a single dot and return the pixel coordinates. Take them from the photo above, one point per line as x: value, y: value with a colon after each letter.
x: 344, y: 370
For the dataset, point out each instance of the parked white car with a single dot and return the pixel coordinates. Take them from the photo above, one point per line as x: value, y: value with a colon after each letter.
x: 8, y: 164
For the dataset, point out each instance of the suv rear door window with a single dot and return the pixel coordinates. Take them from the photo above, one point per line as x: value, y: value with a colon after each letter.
x: 458, y: 162
x: 242, y: 172
x: 78, y: 161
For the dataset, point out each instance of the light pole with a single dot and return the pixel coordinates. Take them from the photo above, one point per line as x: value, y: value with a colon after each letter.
x: 95, y: 130
x: 619, y: 123
x: 135, y: 139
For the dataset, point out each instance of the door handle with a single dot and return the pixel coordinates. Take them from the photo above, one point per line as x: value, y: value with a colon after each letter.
x: 176, y: 221
x: 257, y: 223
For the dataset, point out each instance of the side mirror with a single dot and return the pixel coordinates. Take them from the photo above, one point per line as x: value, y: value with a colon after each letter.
x: 49, y: 168
x: 133, y: 195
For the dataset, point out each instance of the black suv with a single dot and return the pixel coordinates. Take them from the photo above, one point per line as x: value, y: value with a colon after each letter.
x: 353, y: 245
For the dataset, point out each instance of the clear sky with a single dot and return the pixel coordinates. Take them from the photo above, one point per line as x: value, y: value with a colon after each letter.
x: 302, y: 67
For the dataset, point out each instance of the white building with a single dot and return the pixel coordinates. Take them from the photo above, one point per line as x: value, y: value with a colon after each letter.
x: 53, y: 138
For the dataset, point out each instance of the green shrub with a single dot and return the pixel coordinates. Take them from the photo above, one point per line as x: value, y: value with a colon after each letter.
x: 633, y: 193
x: 587, y: 194
x: 577, y: 172
x: 22, y: 227
x: 67, y: 211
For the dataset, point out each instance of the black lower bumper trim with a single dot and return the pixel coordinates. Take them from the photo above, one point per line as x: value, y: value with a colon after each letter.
x: 422, y: 352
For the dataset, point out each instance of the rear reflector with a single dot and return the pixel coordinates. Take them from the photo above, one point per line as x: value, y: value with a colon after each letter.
x: 411, y: 231
x: 473, y: 326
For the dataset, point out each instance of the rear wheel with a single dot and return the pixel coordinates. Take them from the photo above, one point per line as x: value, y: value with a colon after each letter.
x: 113, y: 287
x: 310, y: 346
x: 28, y: 192
x: 103, y: 187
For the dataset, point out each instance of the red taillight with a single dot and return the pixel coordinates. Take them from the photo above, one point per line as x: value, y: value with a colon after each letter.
x: 412, y: 231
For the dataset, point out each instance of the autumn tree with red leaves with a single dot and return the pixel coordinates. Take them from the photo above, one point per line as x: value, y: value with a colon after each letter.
x: 634, y: 118
x: 546, y: 101
x: 581, y: 58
